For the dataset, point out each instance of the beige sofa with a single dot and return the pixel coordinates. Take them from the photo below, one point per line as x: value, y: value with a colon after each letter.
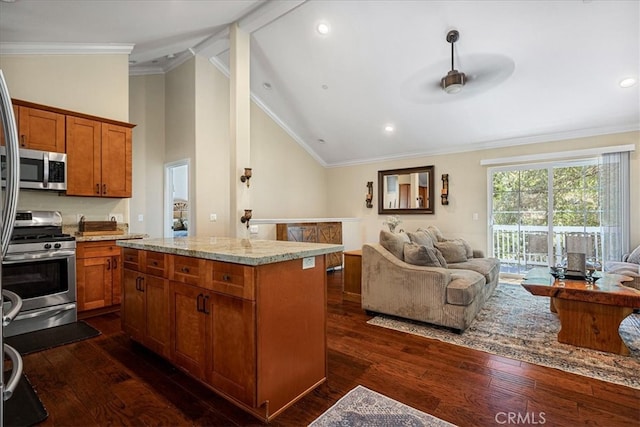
x: 448, y: 296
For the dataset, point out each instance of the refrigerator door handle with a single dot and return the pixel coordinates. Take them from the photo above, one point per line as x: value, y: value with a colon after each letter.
x: 16, y: 306
x: 16, y: 372
x: 10, y: 204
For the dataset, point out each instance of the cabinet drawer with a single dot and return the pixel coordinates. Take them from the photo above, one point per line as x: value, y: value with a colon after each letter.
x: 131, y: 259
x: 97, y: 249
x: 187, y: 270
x: 155, y: 263
x: 232, y: 279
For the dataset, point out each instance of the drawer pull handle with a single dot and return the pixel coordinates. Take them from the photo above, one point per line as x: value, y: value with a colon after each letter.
x: 226, y: 277
x: 155, y: 263
x: 185, y: 269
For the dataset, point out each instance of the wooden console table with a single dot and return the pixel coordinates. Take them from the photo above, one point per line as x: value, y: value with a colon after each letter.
x: 590, y: 313
x: 351, y: 288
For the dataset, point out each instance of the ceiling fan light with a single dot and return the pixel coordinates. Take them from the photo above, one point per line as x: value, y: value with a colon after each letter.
x: 453, y: 81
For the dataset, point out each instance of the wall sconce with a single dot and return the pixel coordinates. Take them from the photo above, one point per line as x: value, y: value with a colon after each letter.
x: 369, y: 196
x: 444, y: 195
x: 246, y: 176
x: 246, y: 217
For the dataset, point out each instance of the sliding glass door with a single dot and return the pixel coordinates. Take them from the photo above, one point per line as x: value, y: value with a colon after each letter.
x: 539, y: 213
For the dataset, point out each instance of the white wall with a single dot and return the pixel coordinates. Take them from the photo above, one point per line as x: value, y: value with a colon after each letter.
x: 90, y: 84
x: 467, y: 188
x: 147, y: 106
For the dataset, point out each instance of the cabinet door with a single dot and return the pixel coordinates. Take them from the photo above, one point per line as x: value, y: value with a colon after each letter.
x: 16, y: 110
x: 156, y: 291
x: 331, y: 232
x: 188, y: 328
x: 116, y: 161
x: 83, y: 157
x: 232, y: 356
x: 302, y: 233
x: 132, y: 308
x: 41, y: 130
x: 93, y: 282
x: 116, y: 279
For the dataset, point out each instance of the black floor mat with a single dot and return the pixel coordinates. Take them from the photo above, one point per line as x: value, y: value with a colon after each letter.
x: 52, y: 337
x: 24, y: 408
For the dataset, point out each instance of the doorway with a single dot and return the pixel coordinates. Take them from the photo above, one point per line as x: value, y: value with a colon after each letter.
x: 177, y: 201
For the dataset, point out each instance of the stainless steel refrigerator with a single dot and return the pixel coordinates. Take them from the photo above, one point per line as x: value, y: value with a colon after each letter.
x: 10, y: 169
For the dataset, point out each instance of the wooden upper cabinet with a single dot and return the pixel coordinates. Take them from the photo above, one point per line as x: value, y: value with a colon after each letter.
x: 98, y: 158
x: 83, y: 157
x: 41, y: 130
x: 116, y: 161
x: 16, y: 113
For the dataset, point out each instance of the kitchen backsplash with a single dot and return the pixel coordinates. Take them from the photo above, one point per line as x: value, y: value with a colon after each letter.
x: 93, y: 208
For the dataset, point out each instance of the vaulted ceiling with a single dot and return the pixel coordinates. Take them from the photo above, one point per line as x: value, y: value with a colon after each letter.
x: 369, y: 88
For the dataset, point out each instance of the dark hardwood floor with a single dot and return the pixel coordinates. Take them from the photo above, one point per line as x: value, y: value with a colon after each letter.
x: 111, y: 381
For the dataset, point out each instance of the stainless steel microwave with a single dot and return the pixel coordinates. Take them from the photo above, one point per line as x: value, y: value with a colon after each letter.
x: 39, y: 170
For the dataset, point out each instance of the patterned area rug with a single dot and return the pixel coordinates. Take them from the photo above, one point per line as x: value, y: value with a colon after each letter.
x: 513, y: 323
x: 364, y: 407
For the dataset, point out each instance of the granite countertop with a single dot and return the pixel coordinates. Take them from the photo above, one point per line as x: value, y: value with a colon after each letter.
x: 238, y: 251
x: 110, y: 237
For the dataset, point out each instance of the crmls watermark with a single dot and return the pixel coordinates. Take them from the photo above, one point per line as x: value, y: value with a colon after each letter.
x: 528, y: 418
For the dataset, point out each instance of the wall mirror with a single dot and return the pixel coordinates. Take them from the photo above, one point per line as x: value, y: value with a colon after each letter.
x: 406, y: 191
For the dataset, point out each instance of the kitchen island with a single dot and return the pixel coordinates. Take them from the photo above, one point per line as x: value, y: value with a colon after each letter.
x: 245, y: 317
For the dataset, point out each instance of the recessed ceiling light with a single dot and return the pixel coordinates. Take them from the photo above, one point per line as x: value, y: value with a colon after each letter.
x: 389, y: 128
x: 266, y: 85
x: 628, y: 82
x: 323, y: 28
x: 171, y: 56
x: 322, y: 141
x: 325, y: 87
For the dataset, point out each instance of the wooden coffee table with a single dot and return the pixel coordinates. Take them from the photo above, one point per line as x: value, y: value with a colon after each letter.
x: 590, y: 314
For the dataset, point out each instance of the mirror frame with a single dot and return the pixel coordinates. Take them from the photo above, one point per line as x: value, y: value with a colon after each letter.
x: 420, y: 169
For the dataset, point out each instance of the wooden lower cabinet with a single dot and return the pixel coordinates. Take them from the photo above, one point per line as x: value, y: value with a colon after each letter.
x: 314, y: 232
x: 212, y: 338
x: 255, y: 335
x: 98, y: 275
x: 145, y: 304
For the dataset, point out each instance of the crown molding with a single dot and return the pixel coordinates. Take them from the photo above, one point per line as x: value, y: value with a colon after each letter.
x: 479, y: 146
x: 65, y: 48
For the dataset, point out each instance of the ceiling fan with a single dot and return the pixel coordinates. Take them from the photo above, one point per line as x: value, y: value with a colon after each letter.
x: 454, y: 80
x: 483, y: 71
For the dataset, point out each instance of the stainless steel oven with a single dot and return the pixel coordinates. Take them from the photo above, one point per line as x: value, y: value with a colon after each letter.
x: 40, y: 267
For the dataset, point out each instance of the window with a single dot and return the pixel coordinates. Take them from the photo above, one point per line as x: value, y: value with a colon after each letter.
x: 539, y: 213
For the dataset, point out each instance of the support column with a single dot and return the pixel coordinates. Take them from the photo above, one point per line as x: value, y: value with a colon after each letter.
x: 240, y: 121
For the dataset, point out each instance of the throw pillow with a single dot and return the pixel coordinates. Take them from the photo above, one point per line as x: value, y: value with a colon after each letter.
x: 634, y: 256
x: 421, y: 255
x: 466, y: 245
x: 394, y: 242
x: 452, y: 251
x: 421, y: 237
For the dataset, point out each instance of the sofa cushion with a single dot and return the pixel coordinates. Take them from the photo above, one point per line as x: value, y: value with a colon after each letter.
x: 422, y: 255
x: 464, y: 287
x: 421, y: 237
x: 394, y: 242
x: 434, y: 232
x: 634, y: 257
x: 452, y: 251
x: 488, y: 267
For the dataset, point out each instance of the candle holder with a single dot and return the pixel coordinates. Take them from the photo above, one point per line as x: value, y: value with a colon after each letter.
x: 246, y: 177
x: 246, y: 217
x: 444, y: 195
x: 369, y: 195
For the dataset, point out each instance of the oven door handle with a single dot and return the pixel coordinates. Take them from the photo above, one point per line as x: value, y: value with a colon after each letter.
x: 16, y: 372
x: 16, y: 306
x: 13, y: 258
x: 42, y: 311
